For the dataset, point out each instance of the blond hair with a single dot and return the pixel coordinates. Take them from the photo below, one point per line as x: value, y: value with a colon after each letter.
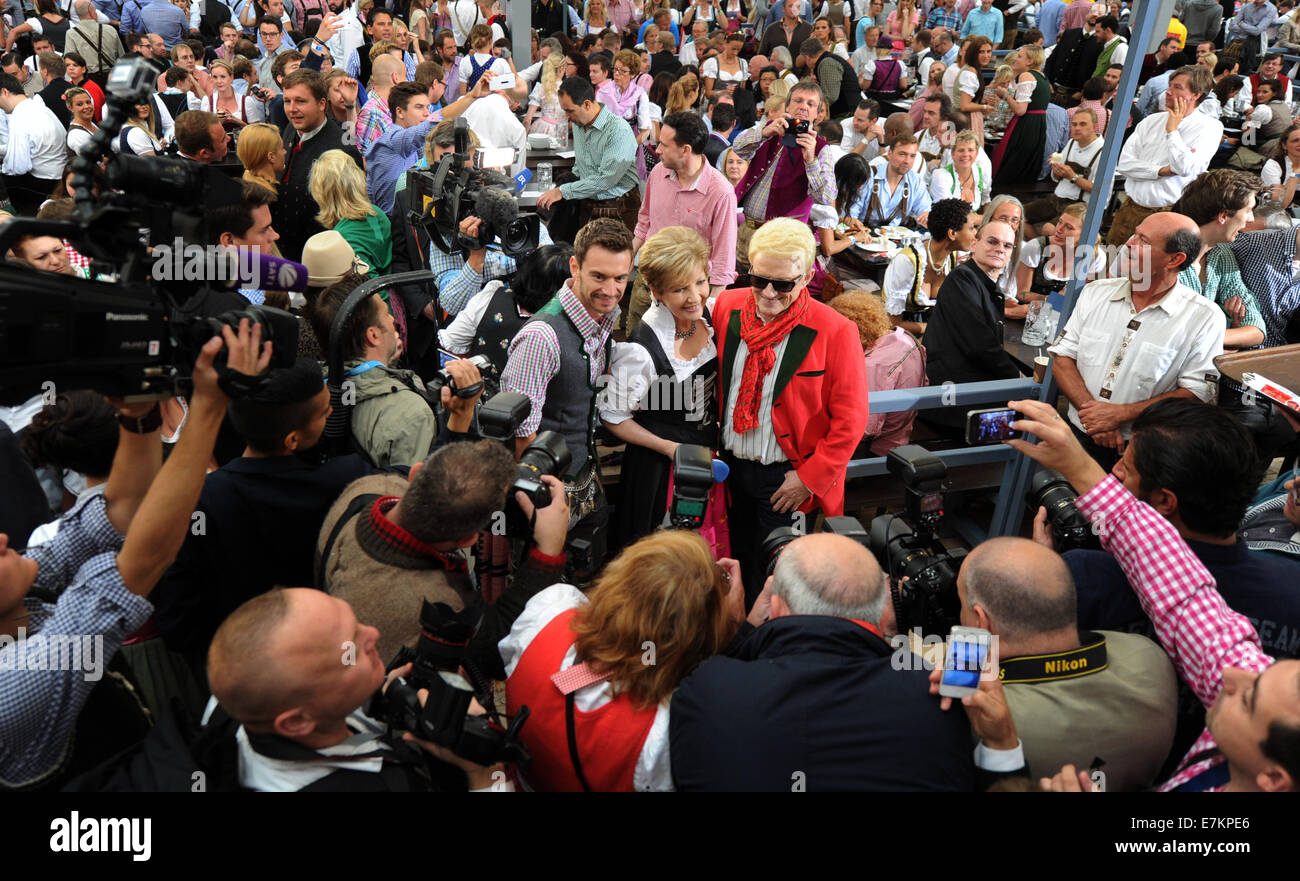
x: 552, y: 73
x: 667, y: 591
x: 669, y: 257
x: 966, y: 136
x: 339, y: 188
x: 783, y: 238
x: 1002, y: 76
x: 1034, y: 54
x: 677, y: 94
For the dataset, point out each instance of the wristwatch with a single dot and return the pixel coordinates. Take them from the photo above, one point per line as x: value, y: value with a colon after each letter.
x: 146, y: 424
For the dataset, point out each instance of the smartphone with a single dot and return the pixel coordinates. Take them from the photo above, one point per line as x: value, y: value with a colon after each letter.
x: 991, y: 426
x: 505, y: 81
x: 964, y: 656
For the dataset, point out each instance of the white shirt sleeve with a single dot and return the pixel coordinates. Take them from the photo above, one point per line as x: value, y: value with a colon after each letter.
x: 710, y: 68
x: 1271, y: 174
x: 899, y: 277
x: 941, y: 185
x: 458, y: 336
x: 535, y: 96
x: 1199, y: 373
x: 139, y: 141
x: 1024, y: 91
x: 631, y: 372
x: 969, y: 82
x: 1031, y: 253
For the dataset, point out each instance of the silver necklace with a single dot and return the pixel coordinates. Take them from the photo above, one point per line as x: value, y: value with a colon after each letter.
x: 684, y: 335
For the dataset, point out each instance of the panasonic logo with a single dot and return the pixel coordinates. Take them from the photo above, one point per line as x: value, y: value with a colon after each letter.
x: 117, y: 316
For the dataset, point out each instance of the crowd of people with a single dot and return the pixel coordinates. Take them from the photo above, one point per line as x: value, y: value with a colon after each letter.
x: 776, y: 209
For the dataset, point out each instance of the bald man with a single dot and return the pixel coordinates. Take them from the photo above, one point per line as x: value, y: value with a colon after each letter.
x: 1100, y: 700
x: 294, y: 667
x: 1134, y: 340
x: 386, y: 71
x: 816, y: 698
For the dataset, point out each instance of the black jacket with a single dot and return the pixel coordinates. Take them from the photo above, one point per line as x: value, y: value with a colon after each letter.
x: 260, y: 520
x: 294, y: 212
x: 411, y: 252
x: 1074, y: 59
x: 815, y: 701
x: 964, y: 336
x: 52, y: 95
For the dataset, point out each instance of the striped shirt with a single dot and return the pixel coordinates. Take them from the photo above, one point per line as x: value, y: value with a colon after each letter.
x: 605, y: 162
x: 1198, y: 630
x: 373, y: 119
x: 1266, y: 260
x: 759, y: 444
x: 535, y: 355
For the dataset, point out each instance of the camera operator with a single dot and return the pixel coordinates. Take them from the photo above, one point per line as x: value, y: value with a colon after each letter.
x: 257, y: 519
x: 1194, y: 464
x: 388, y: 543
x: 814, y: 696
x: 1252, y: 736
x: 391, y: 417
x: 101, y: 580
x: 1075, y: 696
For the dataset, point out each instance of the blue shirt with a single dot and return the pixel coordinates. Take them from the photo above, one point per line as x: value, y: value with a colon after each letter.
x: 165, y: 20
x: 1058, y: 135
x: 38, y: 707
x: 130, y: 19
x: 457, y: 280
x: 918, y: 199
x: 1049, y: 20
x: 983, y: 24
x: 640, y: 35
x: 391, y: 154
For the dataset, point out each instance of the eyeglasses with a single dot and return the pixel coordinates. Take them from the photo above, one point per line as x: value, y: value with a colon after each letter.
x: 622, y: 70
x: 780, y: 285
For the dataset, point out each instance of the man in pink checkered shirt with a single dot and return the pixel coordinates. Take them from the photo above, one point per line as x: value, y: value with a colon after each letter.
x: 1252, y: 737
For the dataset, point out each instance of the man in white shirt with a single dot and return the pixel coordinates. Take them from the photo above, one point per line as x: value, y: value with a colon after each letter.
x: 1134, y: 340
x: 863, y: 133
x: 699, y: 33
x: 1166, y: 152
x: 34, y: 156
x: 348, y: 34
x: 467, y: 13
x: 496, y: 125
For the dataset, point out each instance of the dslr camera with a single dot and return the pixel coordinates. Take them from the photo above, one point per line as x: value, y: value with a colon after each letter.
x: 444, y: 717
x: 907, y: 546
x: 1070, y: 529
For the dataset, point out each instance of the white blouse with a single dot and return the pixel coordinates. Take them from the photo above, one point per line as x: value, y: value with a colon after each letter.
x: 632, y: 371
x: 711, y: 69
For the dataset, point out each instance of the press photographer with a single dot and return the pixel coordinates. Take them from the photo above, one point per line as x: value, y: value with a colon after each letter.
x: 391, y: 541
x: 102, y: 565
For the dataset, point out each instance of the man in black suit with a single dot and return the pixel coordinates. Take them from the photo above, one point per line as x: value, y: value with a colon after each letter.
x: 1074, y: 59
x: 309, y: 134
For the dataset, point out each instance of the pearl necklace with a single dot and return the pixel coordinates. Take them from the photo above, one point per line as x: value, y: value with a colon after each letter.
x: 929, y: 258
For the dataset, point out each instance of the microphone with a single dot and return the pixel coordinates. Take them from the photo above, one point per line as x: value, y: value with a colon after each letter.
x: 264, y: 272
x: 720, y: 471
x: 497, y: 207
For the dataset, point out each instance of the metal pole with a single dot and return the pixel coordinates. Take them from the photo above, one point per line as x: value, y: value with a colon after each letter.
x: 1148, y: 19
x: 519, y: 14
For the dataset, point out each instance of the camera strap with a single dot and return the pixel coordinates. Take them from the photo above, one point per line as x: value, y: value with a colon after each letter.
x: 570, y: 681
x: 1089, y: 658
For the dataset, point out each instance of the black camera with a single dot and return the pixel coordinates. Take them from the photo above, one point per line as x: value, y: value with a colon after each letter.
x: 547, y: 454
x: 135, y: 336
x: 444, y: 378
x: 453, y: 189
x: 797, y: 127
x: 1070, y: 529
x: 444, y: 718
x: 775, y: 542
x: 907, y: 546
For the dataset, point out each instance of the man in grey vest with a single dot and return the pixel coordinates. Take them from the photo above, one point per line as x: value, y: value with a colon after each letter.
x: 558, y: 358
x: 98, y: 43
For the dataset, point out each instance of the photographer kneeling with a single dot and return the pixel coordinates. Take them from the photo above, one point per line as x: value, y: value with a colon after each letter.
x: 390, y: 542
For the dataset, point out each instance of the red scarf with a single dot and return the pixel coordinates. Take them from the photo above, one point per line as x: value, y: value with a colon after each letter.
x: 761, y: 339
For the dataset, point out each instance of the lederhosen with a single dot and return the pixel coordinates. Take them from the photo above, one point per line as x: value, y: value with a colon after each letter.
x: 900, y: 209
x: 671, y: 404
x: 494, y: 332
x: 1042, y: 283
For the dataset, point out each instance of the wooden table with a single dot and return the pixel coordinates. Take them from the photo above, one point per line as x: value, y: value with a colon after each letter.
x: 1022, y: 354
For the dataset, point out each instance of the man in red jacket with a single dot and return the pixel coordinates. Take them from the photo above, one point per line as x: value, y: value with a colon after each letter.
x: 792, y: 394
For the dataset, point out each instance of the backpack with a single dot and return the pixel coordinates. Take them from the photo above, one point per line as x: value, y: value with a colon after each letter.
x: 214, y: 15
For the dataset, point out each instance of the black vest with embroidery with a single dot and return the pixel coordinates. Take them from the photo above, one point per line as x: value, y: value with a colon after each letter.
x: 682, y: 412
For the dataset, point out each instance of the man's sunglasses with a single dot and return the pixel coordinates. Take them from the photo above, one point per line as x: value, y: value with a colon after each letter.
x: 780, y: 285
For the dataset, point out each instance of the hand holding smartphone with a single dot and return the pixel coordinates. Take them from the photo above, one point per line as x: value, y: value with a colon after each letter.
x: 965, y: 654
x: 991, y: 426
